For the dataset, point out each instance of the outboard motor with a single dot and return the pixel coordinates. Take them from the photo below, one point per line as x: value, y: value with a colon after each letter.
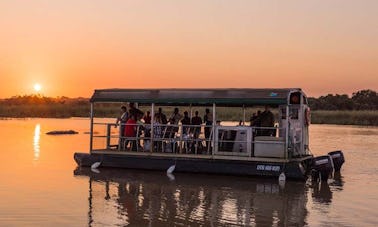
x: 338, y: 159
x: 323, y: 166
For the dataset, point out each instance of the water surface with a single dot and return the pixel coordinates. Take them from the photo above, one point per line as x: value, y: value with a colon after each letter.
x: 42, y: 186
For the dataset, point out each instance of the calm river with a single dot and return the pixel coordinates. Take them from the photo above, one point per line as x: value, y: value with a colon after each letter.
x: 40, y: 185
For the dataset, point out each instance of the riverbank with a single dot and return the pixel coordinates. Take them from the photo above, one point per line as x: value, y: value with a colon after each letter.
x: 338, y: 117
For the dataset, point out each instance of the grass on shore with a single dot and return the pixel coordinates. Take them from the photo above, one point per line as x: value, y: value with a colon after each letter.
x: 343, y: 117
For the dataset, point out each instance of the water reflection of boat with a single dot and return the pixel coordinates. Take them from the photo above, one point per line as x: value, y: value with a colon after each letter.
x: 322, y: 191
x: 141, y: 198
x: 338, y: 181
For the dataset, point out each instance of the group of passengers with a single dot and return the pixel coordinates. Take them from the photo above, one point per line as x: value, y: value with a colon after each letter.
x: 131, y: 125
x: 263, y: 122
x: 190, y: 125
x: 195, y: 122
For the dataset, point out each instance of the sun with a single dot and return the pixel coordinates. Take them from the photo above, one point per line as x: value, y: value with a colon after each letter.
x: 37, y: 87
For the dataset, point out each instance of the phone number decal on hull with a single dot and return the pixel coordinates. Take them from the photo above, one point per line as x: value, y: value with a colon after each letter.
x: 268, y: 168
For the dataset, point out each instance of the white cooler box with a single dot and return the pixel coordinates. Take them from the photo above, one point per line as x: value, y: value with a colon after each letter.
x: 268, y: 146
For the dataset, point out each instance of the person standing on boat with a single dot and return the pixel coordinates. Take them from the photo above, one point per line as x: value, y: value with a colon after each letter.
x: 252, y: 119
x: 208, y: 119
x: 175, y: 117
x: 174, y: 120
x: 185, y: 122
x: 267, y: 120
x: 158, y: 133
x: 162, y: 116
x: 131, y: 132
x: 196, y: 121
x: 196, y: 130
x: 122, y: 118
x: 147, y: 118
x: 138, y: 114
x: 256, y: 123
x: 122, y: 121
x: 147, y: 124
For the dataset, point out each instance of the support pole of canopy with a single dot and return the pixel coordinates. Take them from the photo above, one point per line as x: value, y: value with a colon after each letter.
x: 191, y: 111
x: 213, y: 129
x: 287, y: 131
x: 182, y: 131
x: 91, y: 128
x: 243, y: 115
x: 152, y: 127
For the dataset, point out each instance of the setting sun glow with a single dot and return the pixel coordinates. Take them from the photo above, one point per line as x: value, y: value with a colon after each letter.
x: 37, y: 87
x: 323, y: 47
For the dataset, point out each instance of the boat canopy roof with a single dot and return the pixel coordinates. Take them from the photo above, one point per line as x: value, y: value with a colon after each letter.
x: 197, y: 97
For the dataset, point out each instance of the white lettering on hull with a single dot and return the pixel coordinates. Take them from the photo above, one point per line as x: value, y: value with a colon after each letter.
x: 268, y: 168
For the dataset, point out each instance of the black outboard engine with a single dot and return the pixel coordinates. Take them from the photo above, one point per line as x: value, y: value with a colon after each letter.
x: 323, y: 166
x: 338, y: 159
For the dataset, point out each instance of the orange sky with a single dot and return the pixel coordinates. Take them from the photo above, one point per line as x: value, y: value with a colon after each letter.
x: 73, y: 47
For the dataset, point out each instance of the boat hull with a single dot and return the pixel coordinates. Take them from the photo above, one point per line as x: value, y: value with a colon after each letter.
x: 296, y: 169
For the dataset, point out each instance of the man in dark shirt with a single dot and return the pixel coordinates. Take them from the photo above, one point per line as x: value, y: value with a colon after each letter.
x: 197, y: 121
x: 162, y: 116
x: 137, y: 113
x: 185, y: 122
x: 267, y: 120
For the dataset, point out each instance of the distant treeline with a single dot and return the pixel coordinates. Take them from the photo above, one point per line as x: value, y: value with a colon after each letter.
x: 359, y: 109
x: 361, y: 100
x: 40, y: 106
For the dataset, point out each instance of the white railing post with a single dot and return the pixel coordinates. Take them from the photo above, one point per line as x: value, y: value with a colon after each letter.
x: 243, y: 115
x: 91, y: 129
x: 287, y: 132
x: 213, y: 130
x: 152, y: 127
x: 108, y: 133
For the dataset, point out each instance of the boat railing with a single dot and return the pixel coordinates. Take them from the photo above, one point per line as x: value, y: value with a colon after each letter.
x: 243, y: 141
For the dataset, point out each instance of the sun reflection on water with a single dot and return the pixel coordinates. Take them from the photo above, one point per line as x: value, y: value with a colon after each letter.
x: 36, y: 147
